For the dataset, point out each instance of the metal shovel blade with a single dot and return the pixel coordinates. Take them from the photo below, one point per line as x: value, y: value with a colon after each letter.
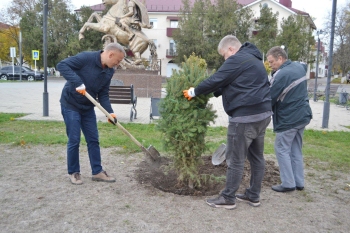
x: 151, y: 152
x: 219, y: 155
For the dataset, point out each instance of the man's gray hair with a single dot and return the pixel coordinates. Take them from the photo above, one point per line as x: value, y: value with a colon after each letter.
x: 115, y: 47
x: 276, y: 52
x: 229, y: 41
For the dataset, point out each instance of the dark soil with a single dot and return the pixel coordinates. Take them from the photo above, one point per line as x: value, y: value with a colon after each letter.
x: 164, y: 178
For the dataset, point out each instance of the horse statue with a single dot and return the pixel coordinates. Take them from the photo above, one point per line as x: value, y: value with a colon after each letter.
x: 115, y: 24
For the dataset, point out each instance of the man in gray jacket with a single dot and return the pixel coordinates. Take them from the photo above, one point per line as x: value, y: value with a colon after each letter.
x: 291, y: 113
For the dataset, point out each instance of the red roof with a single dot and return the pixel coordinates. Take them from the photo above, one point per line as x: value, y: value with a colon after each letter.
x: 298, y: 11
x: 4, y: 26
x: 175, y: 5
x: 163, y: 5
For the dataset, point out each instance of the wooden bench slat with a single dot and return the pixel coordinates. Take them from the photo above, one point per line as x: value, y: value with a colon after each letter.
x: 120, y: 89
x: 119, y: 101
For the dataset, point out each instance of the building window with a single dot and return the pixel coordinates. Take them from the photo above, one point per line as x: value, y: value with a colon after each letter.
x: 174, y: 24
x: 172, y: 46
x: 153, y: 22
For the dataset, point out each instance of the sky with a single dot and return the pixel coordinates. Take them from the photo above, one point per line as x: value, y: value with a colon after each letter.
x: 319, y: 9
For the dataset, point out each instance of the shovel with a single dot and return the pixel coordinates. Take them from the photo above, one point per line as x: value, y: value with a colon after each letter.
x: 219, y: 155
x: 150, y: 151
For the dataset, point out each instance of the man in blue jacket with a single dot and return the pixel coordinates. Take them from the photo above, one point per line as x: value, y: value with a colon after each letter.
x: 243, y: 83
x: 87, y: 72
x: 291, y: 113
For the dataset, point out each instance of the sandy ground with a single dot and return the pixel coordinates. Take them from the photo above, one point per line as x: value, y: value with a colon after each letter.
x: 36, y: 196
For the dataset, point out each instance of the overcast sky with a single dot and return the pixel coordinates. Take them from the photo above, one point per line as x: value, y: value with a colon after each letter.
x: 319, y: 9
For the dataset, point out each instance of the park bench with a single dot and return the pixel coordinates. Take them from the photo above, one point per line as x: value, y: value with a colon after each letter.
x: 332, y: 91
x: 124, y: 95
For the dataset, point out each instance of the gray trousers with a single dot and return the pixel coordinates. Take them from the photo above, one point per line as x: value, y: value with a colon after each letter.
x: 245, y: 141
x: 288, y: 149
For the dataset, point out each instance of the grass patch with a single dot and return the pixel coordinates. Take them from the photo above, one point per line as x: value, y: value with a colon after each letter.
x: 336, y: 80
x: 330, y: 148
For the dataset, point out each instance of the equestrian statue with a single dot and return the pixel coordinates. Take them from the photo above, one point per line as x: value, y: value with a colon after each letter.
x: 123, y: 23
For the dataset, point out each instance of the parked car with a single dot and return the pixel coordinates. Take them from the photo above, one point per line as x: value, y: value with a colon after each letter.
x: 13, y: 73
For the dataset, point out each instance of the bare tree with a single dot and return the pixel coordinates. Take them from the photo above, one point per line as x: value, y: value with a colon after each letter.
x: 341, y: 61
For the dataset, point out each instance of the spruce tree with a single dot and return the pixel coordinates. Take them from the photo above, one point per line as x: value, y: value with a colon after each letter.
x: 184, y: 123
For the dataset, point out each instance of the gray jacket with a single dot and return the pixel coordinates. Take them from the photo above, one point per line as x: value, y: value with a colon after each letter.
x: 294, y: 110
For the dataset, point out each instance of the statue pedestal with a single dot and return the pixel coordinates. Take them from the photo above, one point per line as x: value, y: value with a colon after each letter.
x: 146, y: 83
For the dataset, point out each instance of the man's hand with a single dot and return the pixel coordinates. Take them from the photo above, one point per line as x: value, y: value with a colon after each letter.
x: 115, y: 118
x: 189, y: 94
x: 81, y: 89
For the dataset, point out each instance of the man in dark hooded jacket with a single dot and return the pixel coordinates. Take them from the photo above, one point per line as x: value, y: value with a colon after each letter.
x: 291, y: 113
x: 243, y: 83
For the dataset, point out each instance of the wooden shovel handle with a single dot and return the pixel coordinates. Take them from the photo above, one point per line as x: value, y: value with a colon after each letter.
x: 98, y: 105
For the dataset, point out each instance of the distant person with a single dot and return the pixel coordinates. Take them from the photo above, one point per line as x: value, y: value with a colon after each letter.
x: 243, y: 83
x: 87, y: 72
x: 291, y: 113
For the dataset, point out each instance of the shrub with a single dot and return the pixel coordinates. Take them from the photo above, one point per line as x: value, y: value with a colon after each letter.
x: 184, y: 123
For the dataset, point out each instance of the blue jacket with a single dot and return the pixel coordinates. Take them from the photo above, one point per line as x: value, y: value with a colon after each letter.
x: 294, y: 110
x: 243, y: 83
x: 85, y: 67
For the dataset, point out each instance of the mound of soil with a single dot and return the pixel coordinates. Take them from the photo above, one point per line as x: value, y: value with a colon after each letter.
x: 164, y: 178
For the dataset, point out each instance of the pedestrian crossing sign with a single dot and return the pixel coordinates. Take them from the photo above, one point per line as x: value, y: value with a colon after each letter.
x: 35, y: 54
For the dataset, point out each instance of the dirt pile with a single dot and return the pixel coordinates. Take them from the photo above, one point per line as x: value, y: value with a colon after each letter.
x: 164, y: 178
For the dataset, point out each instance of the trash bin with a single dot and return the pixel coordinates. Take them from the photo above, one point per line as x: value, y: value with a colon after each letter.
x: 343, y: 97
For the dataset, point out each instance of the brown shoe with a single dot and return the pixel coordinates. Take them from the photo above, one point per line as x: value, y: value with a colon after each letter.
x: 75, y: 178
x: 102, y: 176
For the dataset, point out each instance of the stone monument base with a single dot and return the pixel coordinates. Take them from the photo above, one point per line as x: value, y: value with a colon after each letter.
x: 146, y: 83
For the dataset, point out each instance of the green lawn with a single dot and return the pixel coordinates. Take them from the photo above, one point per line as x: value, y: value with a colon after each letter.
x: 333, y: 148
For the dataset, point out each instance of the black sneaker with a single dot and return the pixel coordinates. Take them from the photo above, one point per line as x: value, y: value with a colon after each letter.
x: 221, y: 202
x: 243, y: 197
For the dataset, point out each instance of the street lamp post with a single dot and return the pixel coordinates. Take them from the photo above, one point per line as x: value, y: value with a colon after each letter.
x: 326, y: 104
x: 45, y: 94
x: 318, y: 50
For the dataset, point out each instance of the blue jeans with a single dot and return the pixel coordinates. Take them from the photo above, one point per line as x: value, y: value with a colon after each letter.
x: 245, y: 141
x: 288, y: 149
x: 86, y: 122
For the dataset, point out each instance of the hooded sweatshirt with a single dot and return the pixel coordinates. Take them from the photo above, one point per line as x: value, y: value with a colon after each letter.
x: 243, y: 83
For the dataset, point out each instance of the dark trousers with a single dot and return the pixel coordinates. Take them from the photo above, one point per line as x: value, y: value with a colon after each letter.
x: 245, y: 140
x: 87, y: 123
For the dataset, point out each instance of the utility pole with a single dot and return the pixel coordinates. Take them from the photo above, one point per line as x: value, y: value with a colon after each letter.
x: 45, y: 94
x: 20, y: 55
x: 318, y: 50
x: 326, y: 104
